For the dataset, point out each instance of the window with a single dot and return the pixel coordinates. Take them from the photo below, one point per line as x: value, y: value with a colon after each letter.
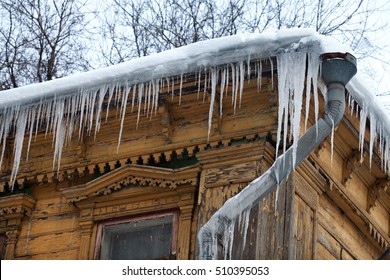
x: 143, y: 238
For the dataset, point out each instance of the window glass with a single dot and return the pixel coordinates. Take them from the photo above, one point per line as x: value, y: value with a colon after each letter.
x: 143, y: 239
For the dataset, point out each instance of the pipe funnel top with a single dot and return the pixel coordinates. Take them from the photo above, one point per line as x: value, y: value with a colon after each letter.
x: 338, y: 67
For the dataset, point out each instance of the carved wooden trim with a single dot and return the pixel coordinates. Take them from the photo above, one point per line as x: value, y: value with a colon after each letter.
x: 375, y: 192
x: 16, y: 206
x: 359, y: 216
x: 352, y: 164
x: 85, y: 239
x: 176, y: 190
x: 12, y: 238
x: 133, y: 175
x: 12, y: 211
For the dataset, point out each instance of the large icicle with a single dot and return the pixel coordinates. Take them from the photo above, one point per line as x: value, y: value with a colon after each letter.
x: 213, y: 90
x: 291, y: 89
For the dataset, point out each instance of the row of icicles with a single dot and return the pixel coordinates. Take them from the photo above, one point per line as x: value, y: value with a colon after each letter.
x: 83, y: 112
x: 61, y: 116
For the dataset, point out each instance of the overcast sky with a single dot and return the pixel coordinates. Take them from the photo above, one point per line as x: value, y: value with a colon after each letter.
x: 379, y: 64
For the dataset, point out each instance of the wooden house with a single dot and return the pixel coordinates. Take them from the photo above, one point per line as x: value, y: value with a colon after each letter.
x: 147, y: 151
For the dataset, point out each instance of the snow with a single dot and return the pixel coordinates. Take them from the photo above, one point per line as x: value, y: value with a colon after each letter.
x: 73, y: 103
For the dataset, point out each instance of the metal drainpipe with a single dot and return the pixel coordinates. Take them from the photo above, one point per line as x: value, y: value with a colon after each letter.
x: 337, y: 70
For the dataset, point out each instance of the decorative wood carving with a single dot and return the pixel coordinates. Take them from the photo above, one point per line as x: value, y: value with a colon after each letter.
x: 99, y: 200
x: 378, y: 236
x: 352, y: 164
x: 12, y: 211
x: 357, y: 214
x: 375, y: 191
x: 136, y: 176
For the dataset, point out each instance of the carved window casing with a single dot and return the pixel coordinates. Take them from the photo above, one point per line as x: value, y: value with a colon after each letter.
x: 136, y: 192
x: 13, y: 210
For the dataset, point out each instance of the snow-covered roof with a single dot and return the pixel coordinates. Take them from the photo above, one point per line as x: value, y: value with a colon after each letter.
x: 175, y: 62
x: 22, y: 108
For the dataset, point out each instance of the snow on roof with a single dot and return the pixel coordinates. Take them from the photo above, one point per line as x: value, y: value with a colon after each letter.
x: 22, y: 108
x: 175, y: 62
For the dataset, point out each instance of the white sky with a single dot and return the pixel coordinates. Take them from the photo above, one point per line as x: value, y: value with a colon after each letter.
x: 379, y: 64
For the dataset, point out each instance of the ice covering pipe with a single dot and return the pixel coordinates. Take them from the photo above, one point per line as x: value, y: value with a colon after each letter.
x: 337, y: 70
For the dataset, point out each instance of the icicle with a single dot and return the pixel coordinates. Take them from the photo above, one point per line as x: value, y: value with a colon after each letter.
x: 82, y: 109
x: 156, y: 92
x: 332, y: 144
x: 8, y: 116
x: 272, y: 72
x: 173, y: 88
x: 228, y: 238
x: 38, y: 120
x: 282, y: 98
x: 362, y: 129
x: 133, y: 99
x: 123, y: 114
x: 32, y: 116
x: 223, y: 80
x: 110, y: 94
x: 248, y: 69
x: 236, y: 82
x: 290, y: 96
x: 140, y: 93
x: 259, y: 76
x: 59, y: 133
x: 227, y: 80
x: 148, y: 92
x: 199, y: 77
x: 233, y: 81
x: 381, y: 145
x: 373, y: 132
x: 168, y: 83
x: 245, y: 227
x: 205, y: 85
x: 277, y: 194
x: 309, y: 78
x: 102, y: 93
x: 92, y: 110
x: 48, y: 116
x: 386, y: 156
x: 315, y: 65
x: 18, y: 146
x: 242, y: 77
x: 231, y: 237
x: 352, y: 107
x: 181, y: 87
x: 213, y: 90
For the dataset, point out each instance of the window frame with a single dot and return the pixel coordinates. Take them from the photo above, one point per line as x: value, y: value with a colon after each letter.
x: 147, y: 216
